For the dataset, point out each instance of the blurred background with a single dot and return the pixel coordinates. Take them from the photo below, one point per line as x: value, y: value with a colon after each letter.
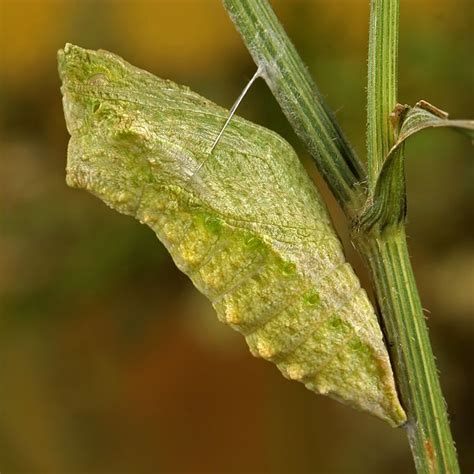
x: 110, y: 361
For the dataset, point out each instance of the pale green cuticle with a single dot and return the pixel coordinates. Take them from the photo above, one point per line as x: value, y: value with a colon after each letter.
x: 261, y: 263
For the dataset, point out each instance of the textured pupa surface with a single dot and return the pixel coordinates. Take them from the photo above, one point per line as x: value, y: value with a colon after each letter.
x: 245, y: 222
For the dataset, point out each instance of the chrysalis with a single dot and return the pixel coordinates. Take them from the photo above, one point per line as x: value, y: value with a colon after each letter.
x: 244, y: 222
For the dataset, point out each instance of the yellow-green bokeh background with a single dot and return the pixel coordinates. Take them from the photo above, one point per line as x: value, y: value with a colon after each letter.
x: 110, y: 361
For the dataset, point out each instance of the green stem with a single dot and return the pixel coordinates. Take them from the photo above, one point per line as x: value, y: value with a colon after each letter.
x: 386, y: 204
x: 407, y: 336
x: 298, y: 96
x: 382, y: 83
x: 382, y: 244
x: 385, y: 250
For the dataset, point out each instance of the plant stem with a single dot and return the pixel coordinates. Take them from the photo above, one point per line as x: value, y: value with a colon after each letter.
x: 299, y: 98
x: 385, y: 249
x: 388, y: 202
x: 383, y: 246
x: 382, y: 83
x: 407, y: 336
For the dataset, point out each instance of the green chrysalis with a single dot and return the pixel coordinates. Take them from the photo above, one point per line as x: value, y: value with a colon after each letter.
x: 244, y: 222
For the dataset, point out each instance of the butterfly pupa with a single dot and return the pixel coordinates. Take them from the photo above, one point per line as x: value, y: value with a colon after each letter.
x: 249, y: 229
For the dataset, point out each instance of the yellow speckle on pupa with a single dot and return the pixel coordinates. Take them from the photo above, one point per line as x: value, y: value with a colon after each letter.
x: 265, y: 349
x: 295, y: 372
x: 231, y: 316
x: 123, y: 197
x: 190, y: 256
x: 147, y: 219
x: 172, y: 232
